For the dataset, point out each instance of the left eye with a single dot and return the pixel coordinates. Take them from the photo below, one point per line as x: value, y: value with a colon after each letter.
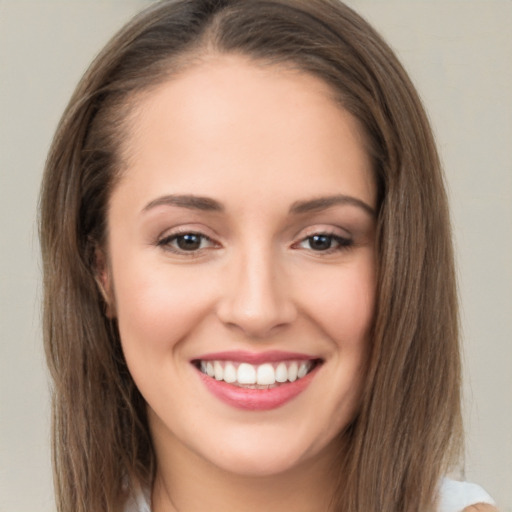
x: 186, y: 242
x: 324, y: 242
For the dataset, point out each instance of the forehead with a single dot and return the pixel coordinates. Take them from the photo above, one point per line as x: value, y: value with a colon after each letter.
x: 231, y: 119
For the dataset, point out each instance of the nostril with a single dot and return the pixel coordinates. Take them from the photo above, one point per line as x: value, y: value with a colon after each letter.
x: 254, y: 323
x: 256, y: 299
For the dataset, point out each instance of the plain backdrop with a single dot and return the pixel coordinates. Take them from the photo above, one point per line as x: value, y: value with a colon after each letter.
x: 459, y: 54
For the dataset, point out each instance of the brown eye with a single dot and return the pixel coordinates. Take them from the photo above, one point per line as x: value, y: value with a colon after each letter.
x: 324, y: 242
x: 189, y: 242
x: 186, y: 242
x: 320, y: 242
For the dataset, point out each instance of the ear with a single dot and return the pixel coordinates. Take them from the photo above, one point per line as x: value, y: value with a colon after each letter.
x: 103, y: 278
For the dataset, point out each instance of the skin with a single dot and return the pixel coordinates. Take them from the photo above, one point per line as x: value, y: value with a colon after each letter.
x: 481, y: 507
x: 256, y: 140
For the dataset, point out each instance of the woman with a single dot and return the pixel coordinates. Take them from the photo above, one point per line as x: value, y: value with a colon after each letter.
x: 250, y: 296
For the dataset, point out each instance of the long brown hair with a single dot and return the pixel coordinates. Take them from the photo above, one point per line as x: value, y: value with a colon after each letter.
x: 408, y: 428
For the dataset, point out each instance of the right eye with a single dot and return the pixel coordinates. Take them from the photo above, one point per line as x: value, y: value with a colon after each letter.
x: 189, y: 242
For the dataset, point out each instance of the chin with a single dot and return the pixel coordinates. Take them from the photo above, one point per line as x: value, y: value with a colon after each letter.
x: 256, y: 463
x: 267, y: 452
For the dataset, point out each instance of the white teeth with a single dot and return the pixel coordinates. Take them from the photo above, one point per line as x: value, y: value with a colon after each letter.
x: 218, y: 371
x: 265, y: 375
x: 303, y: 370
x: 229, y: 373
x: 246, y: 374
x: 281, y: 373
x: 293, y: 370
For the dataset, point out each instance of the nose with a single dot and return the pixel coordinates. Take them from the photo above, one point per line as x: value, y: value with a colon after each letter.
x: 256, y: 297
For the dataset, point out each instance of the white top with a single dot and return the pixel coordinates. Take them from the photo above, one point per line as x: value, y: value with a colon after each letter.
x: 139, y: 502
x: 453, y: 497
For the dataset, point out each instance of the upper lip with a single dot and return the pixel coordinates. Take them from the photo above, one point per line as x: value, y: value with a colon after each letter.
x: 242, y: 356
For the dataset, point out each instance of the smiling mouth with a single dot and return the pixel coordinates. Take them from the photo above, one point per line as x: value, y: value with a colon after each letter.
x: 256, y: 376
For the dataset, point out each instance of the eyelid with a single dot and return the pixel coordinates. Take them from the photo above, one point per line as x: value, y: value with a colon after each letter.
x: 322, y: 229
x: 173, y: 236
x: 164, y: 240
x: 183, y: 229
x: 344, y: 240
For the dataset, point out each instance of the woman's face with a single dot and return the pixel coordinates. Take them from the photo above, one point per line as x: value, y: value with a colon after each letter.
x: 242, y: 264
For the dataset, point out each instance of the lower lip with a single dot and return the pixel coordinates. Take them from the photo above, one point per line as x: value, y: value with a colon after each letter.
x: 257, y: 399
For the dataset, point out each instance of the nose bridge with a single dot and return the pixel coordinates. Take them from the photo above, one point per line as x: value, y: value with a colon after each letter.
x: 257, y: 298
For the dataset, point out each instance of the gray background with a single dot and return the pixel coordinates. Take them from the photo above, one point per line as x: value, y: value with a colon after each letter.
x: 459, y: 53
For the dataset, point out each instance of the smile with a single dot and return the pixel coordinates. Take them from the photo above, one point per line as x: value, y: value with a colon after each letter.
x: 251, y: 376
x: 256, y: 382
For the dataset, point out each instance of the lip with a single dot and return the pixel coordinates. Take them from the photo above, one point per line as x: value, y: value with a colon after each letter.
x: 257, y: 399
x: 270, y: 356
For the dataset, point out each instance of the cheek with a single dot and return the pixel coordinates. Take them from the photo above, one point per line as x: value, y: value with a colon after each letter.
x: 156, y: 307
x: 343, y: 303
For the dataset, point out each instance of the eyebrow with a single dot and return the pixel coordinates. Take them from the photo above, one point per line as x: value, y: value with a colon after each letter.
x: 323, y: 203
x: 193, y: 202
x: 190, y: 202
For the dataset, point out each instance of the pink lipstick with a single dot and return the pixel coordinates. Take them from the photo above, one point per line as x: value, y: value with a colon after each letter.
x: 256, y: 381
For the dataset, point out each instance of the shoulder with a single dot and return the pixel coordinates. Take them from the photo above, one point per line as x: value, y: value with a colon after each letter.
x: 139, y: 501
x: 455, y: 496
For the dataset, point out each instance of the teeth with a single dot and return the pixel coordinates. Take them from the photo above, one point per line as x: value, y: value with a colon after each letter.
x: 246, y: 374
x: 303, y: 370
x: 218, y: 371
x: 266, y: 374
x: 229, y: 373
x: 292, y: 372
x: 281, y: 373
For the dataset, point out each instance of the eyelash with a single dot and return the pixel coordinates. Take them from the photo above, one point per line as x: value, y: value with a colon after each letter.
x: 167, y: 241
x: 342, y: 243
